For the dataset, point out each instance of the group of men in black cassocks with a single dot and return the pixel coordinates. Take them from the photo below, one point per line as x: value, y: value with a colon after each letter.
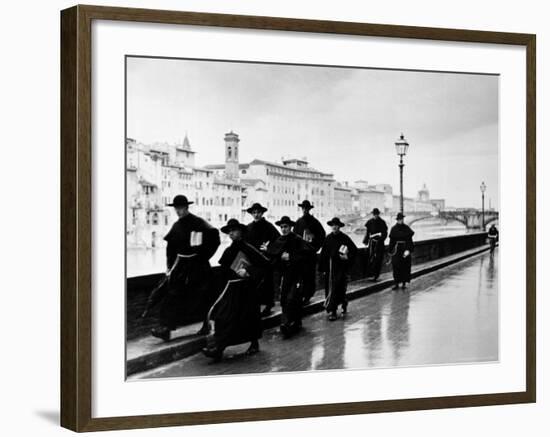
x: 260, y: 261
x: 400, y: 247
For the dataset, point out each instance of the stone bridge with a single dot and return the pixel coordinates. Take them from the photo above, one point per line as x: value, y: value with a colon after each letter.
x: 471, y: 218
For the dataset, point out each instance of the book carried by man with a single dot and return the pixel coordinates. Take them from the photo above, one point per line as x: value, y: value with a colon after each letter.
x: 240, y: 262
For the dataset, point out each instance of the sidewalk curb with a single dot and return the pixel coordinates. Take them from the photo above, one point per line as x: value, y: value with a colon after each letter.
x: 194, y: 345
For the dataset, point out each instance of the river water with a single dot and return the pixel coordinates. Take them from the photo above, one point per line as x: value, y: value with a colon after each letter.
x: 147, y: 261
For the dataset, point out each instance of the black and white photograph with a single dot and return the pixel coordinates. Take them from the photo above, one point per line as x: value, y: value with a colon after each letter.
x: 303, y: 218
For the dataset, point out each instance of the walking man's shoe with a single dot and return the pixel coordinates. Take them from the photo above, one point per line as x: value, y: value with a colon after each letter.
x: 214, y: 353
x: 266, y: 311
x: 332, y: 316
x: 254, y: 348
x: 161, y: 332
x: 345, y: 308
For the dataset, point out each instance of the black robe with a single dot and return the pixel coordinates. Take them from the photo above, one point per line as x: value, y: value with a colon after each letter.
x: 189, y: 293
x: 311, y: 230
x: 401, y: 240
x: 236, y: 313
x: 257, y: 234
x: 260, y: 232
x: 375, y: 225
x: 336, y: 269
x: 493, y: 237
x: 292, y: 275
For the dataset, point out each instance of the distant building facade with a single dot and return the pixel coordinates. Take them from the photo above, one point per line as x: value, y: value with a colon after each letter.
x: 155, y: 173
x: 343, y: 199
x: 421, y: 203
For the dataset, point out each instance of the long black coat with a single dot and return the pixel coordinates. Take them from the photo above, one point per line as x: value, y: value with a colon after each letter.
x: 291, y: 273
x: 236, y: 313
x: 336, y: 268
x: 257, y: 234
x: 309, y: 228
x: 374, y: 226
x: 307, y: 224
x: 189, y: 293
x: 401, y: 240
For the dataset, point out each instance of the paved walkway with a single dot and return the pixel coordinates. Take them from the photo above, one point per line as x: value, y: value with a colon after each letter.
x: 448, y: 316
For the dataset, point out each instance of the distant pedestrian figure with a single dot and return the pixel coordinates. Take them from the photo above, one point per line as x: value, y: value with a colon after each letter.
x: 235, y: 315
x: 400, y: 249
x: 337, y: 256
x: 493, y: 237
x: 191, y: 242
x: 311, y: 231
x: 261, y: 233
x: 377, y: 232
x: 290, y: 253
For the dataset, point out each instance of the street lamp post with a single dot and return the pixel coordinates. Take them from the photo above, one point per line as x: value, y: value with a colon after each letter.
x: 483, y: 187
x: 401, y: 147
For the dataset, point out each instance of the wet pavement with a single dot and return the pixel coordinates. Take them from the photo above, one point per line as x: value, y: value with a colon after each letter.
x: 445, y: 317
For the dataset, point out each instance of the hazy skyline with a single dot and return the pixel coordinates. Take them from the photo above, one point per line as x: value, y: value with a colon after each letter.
x: 344, y: 120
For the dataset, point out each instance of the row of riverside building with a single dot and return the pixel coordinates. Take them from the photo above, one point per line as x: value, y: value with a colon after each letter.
x: 155, y: 173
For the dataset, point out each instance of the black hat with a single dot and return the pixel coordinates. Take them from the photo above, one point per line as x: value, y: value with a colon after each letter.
x: 335, y: 221
x: 375, y: 211
x: 180, y: 200
x: 285, y: 220
x: 400, y: 216
x: 306, y: 204
x: 233, y: 224
x: 256, y: 207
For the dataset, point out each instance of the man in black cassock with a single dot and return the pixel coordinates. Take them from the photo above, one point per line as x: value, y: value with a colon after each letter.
x: 337, y: 256
x: 311, y: 231
x: 261, y: 233
x: 191, y: 242
x: 236, y: 313
x: 493, y: 237
x: 289, y: 253
x: 376, y: 234
x: 400, y: 249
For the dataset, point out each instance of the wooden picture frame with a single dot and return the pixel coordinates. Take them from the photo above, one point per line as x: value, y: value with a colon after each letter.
x: 76, y: 217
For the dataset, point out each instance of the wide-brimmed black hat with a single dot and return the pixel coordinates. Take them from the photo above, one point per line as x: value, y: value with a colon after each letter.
x: 375, y: 211
x: 306, y: 204
x: 400, y: 216
x: 180, y: 200
x: 233, y: 224
x: 256, y: 207
x: 335, y: 221
x: 285, y: 220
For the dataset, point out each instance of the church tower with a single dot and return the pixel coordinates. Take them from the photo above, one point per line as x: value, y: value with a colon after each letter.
x: 424, y: 194
x: 185, y: 156
x: 231, y: 155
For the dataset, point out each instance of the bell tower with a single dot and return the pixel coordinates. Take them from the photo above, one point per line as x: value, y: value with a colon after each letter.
x: 231, y: 155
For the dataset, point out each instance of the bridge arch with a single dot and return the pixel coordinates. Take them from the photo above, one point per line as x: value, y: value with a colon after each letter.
x: 491, y: 220
x: 461, y: 220
x: 417, y: 219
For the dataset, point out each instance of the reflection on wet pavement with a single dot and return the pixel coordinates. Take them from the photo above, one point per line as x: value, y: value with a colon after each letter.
x: 448, y: 316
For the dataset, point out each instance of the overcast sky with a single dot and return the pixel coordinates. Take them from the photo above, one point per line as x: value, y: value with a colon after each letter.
x: 344, y: 120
